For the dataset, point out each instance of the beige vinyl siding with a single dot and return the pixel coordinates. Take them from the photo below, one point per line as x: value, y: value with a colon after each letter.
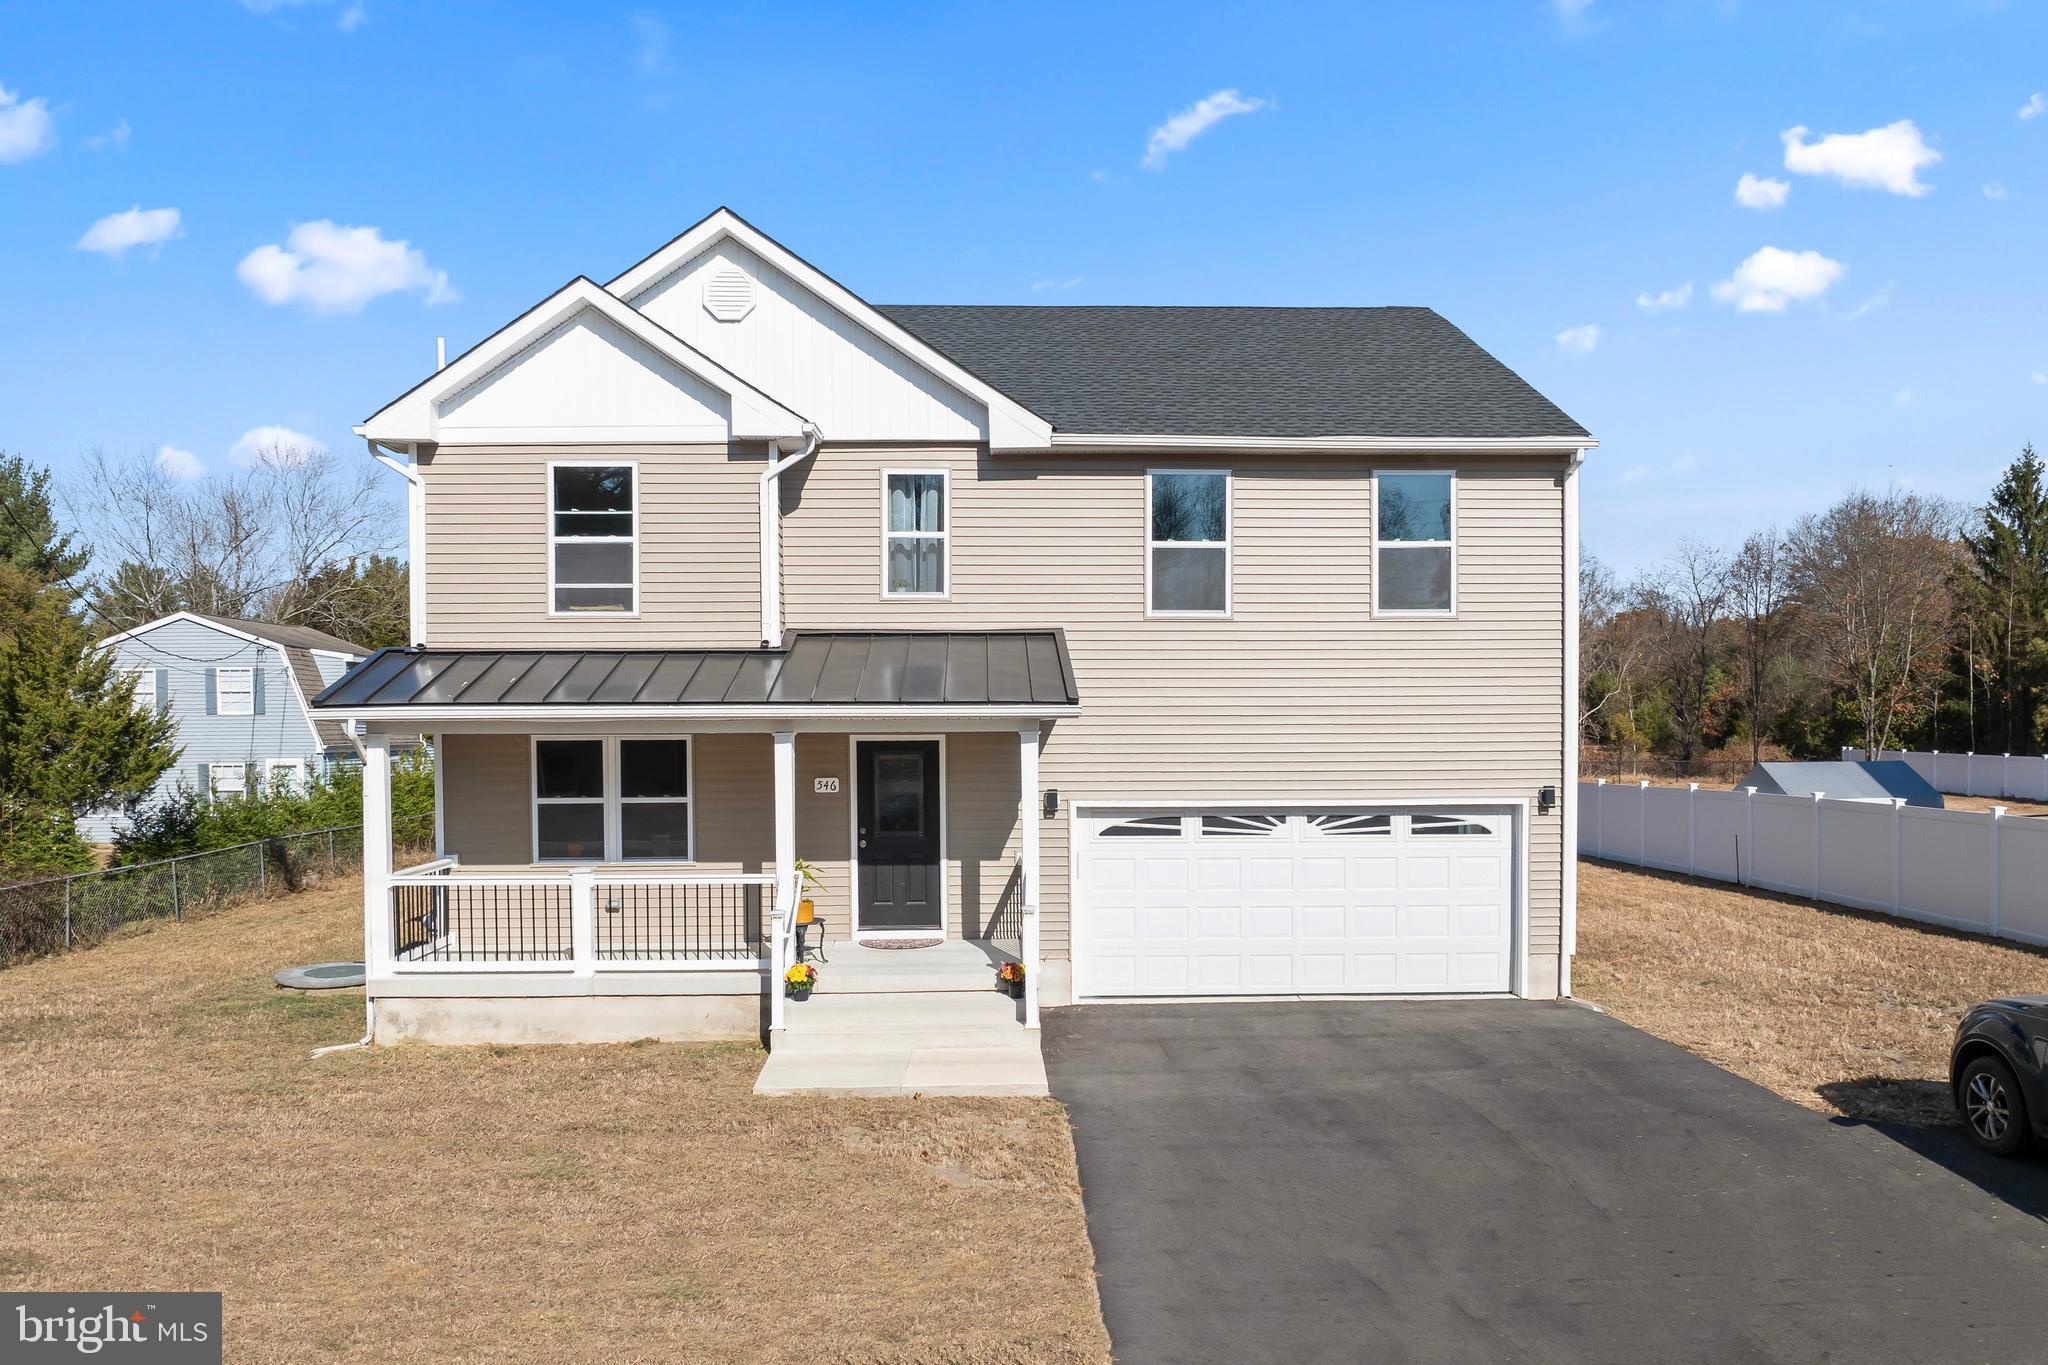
x: 1299, y: 695
x: 488, y: 787
x: 487, y: 549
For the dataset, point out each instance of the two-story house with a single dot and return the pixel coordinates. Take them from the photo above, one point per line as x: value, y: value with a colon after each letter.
x: 240, y: 693
x: 1171, y: 651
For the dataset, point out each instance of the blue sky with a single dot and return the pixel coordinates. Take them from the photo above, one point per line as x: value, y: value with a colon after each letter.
x: 1531, y: 169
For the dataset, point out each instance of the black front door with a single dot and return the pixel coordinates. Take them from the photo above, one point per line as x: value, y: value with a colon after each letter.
x: 896, y: 823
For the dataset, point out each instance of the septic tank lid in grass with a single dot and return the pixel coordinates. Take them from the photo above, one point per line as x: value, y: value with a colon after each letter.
x: 322, y: 976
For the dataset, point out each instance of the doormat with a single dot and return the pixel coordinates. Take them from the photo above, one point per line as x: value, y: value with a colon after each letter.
x: 901, y: 942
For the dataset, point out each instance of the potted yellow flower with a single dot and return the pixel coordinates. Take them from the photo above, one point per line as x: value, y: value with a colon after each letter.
x: 799, y: 981
x: 1010, y: 979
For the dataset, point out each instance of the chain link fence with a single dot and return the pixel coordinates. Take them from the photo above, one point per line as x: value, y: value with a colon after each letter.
x: 53, y: 914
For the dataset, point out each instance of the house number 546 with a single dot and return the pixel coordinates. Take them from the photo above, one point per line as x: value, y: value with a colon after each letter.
x: 825, y: 786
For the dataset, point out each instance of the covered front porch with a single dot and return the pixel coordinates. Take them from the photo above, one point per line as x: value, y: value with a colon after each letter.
x: 607, y: 872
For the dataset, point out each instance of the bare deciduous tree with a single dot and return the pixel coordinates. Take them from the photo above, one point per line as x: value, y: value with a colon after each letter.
x: 263, y: 543
x: 1684, y: 597
x: 1874, y: 576
x: 1760, y: 609
x: 1612, y: 643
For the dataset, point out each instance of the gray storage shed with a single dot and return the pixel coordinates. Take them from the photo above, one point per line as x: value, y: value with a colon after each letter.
x: 1864, y: 780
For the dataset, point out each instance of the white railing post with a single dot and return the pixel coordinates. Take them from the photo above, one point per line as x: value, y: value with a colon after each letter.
x: 1997, y: 880
x: 583, y: 922
x: 1817, y: 797
x: 1692, y: 828
x: 1749, y: 806
x: 784, y: 762
x: 1027, y: 865
x: 1600, y: 818
x: 376, y: 853
x: 1898, y: 848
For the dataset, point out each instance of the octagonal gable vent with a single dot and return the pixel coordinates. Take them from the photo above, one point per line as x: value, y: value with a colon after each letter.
x: 728, y: 293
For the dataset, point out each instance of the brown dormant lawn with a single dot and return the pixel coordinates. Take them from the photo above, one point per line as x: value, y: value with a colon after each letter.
x: 1835, y: 1009
x: 167, y: 1130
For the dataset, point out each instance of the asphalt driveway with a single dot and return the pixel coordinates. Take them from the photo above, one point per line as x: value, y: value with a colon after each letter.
x: 1509, y: 1181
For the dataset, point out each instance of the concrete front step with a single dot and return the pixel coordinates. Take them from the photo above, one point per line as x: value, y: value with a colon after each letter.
x: 983, y: 1008
x: 877, y: 979
x: 912, y: 1071
x: 878, y: 1040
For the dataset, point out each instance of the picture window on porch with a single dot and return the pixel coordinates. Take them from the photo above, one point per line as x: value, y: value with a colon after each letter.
x: 611, y: 800
x: 914, y: 533
x: 594, y: 545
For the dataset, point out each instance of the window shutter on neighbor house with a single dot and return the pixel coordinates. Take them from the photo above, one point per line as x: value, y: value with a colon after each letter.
x: 205, y: 781
x: 212, y: 692
x: 163, y: 691
x: 256, y: 686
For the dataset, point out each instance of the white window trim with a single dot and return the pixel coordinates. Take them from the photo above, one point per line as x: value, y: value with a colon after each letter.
x: 220, y: 691
x: 1229, y: 555
x: 148, y: 702
x: 944, y: 537
x: 295, y: 766
x: 611, y: 800
x: 639, y: 494
x: 1373, y: 562
x: 213, y: 772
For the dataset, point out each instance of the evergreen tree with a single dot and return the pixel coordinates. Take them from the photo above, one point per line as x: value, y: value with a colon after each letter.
x: 2006, y: 591
x: 29, y: 540
x: 71, y: 738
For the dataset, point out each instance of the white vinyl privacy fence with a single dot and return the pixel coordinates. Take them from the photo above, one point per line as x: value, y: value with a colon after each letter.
x: 2014, y: 775
x: 1984, y: 871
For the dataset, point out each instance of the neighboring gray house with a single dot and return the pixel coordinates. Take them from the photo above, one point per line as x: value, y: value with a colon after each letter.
x: 1864, y: 780
x: 238, y: 690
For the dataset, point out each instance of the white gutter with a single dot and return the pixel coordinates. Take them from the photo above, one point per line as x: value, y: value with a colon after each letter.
x: 426, y: 716
x: 1568, y: 793
x: 415, y: 534
x: 771, y: 536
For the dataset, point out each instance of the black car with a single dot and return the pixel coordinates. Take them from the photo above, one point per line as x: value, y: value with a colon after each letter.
x: 1999, y: 1073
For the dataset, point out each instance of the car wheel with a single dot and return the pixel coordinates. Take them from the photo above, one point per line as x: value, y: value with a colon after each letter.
x: 1994, y: 1115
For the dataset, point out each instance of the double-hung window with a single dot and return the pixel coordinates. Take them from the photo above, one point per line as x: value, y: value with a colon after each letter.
x: 593, y: 538
x: 1187, y: 542
x: 145, y: 689
x: 234, y: 691
x: 611, y: 800
x: 1415, y: 554
x: 914, y: 530
x: 227, y: 779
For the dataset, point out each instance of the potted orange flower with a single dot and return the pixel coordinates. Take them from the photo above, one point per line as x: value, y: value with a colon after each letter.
x: 1010, y: 979
x: 799, y: 981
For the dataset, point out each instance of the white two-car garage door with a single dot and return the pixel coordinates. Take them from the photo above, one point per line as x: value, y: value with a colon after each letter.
x: 1250, y: 901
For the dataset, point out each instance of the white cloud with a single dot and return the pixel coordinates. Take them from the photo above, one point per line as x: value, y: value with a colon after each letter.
x: 1057, y: 286
x: 173, y: 463
x: 1870, y: 305
x: 275, y: 446
x: 1193, y: 121
x: 351, y: 18
x: 1572, y: 14
x: 650, y: 43
x: 1761, y: 192
x: 2035, y: 107
x: 116, y: 137
x: 1773, y: 277
x: 1635, y: 473
x: 25, y: 127
x: 1667, y: 301
x: 2040, y: 376
x: 1579, y: 340
x: 1888, y: 158
x: 118, y: 233
x: 1994, y: 190
x: 1684, y: 464
x: 1906, y: 397
x: 335, y: 269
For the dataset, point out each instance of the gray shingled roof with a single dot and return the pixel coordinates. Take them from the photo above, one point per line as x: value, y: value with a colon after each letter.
x: 1240, y: 371
x: 912, y: 668
x: 291, y: 637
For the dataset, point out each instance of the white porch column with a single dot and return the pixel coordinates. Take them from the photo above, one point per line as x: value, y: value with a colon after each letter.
x: 1027, y: 864
x: 785, y: 868
x: 376, y: 749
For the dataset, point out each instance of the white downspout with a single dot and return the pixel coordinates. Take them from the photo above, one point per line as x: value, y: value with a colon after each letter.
x: 348, y: 728
x: 1568, y: 793
x: 771, y: 537
x: 415, y: 535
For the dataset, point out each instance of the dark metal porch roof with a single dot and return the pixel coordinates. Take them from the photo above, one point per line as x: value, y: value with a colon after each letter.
x: 912, y: 668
